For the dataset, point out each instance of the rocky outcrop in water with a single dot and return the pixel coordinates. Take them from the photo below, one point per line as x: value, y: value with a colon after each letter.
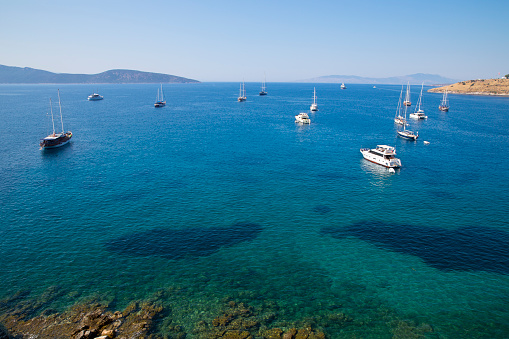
x: 82, y: 321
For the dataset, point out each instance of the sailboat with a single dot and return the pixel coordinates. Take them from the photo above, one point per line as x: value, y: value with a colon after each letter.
x: 407, y: 101
x: 398, y: 118
x: 242, y: 92
x: 343, y: 86
x: 56, y: 139
x: 406, y: 134
x: 263, y: 91
x: 314, y: 105
x: 160, y: 102
x: 419, y: 113
x: 444, y: 105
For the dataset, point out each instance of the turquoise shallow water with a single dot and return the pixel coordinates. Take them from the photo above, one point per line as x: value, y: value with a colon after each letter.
x: 235, y: 199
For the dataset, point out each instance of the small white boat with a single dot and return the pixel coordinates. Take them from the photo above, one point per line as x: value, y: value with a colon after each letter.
x: 314, y: 105
x: 419, y: 113
x: 242, y: 93
x: 95, y: 97
x: 374, y: 86
x: 302, y: 118
x: 343, y: 86
x: 426, y: 142
x: 382, y: 155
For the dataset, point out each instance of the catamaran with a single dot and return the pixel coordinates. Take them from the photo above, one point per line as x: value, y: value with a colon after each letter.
x: 444, y: 105
x: 407, y: 101
x: 314, y: 105
x: 242, y: 93
x: 56, y: 139
x: 160, y: 102
x: 419, y: 113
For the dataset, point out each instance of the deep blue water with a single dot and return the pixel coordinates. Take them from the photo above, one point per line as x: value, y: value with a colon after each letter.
x: 235, y: 199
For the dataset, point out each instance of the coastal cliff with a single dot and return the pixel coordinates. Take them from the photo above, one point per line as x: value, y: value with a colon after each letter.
x: 476, y: 87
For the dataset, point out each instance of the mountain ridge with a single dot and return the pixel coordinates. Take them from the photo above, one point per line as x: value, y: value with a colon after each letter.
x: 28, y: 75
x: 413, y: 79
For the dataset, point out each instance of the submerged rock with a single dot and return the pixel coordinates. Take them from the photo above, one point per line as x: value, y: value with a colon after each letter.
x: 183, y: 243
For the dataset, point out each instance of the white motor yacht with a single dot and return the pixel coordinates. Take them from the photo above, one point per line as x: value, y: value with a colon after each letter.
x: 383, y: 155
x: 302, y: 118
x: 95, y: 97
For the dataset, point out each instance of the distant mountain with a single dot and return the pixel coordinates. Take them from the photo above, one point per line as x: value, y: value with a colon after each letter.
x: 414, y: 79
x: 27, y: 75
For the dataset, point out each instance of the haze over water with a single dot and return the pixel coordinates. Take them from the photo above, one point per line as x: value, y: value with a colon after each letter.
x: 235, y: 200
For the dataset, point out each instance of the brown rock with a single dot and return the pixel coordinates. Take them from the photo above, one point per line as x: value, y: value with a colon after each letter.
x: 108, y: 333
x: 290, y: 334
x: 237, y: 334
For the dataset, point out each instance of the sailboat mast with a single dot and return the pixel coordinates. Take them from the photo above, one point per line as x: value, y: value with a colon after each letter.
x: 51, y: 110
x: 420, y: 96
x: 398, y: 109
x: 60, y: 106
x: 404, y: 125
x: 162, y: 94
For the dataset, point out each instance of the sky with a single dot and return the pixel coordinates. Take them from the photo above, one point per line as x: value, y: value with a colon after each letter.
x: 238, y: 40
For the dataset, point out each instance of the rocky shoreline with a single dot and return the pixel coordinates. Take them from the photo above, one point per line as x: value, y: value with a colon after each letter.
x: 25, y: 317
x: 489, y: 87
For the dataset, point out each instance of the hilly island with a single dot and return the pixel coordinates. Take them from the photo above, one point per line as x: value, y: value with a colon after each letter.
x: 27, y: 75
x: 476, y: 87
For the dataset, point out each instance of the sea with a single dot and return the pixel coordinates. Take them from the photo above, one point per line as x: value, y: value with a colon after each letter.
x: 217, y: 200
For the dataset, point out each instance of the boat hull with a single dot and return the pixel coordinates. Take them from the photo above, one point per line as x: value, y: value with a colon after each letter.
x: 400, y: 121
x: 404, y: 135
x: 302, y: 118
x: 160, y: 104
x: 417, y: 116
x: 95, y: 99
x: 394, y: 163
x: 50, y: 142
x: 443, y: 108
x: 263, y: 93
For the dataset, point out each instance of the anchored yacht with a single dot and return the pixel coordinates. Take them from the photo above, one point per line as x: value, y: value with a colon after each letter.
x: 382, y: 155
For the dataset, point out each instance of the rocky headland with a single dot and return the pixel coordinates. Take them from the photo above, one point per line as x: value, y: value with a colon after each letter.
x: 476, y: 87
